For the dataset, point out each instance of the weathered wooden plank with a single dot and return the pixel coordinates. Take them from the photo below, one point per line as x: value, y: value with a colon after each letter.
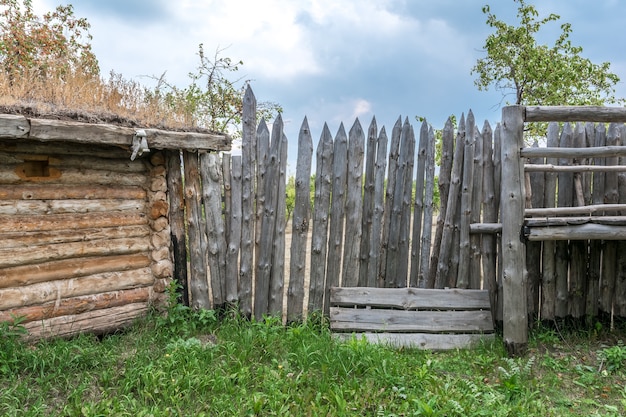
x: 574, y: 168
x: 591, y: 209
x: 300, y: 224
x: 394, y: 153
x: 46, y: 253
x: 497, y: 193
x: 64, y: 149
x: 319, y: 245
x: 248, y: 174
x: 14, y: 174
x: 445, y: 171
x: 268, y: 223
x: 570, y: 153
x: 587, y: 231
x: 13, y: 126
x: 71, y: 221
x: 418, y: 204
x: 467, y: 187
x: 167, y: 139
x: 31, y: 239
x: 403, y: 321
x: 46, y: 207
x: 354, y: 206
x: 565, y: 221
x: 410, y: 298
x: 77, y: 305
x: 212, y: 181
x: 44, y: 292
x: 475, y: 271
x: 490, y: 215
x: 277, y: 278
x: 404, y: 241
x: 262, y: 162
x: 367, y: 215
x: 198, y: 283
x: 424, y: 265
x: 63, y: 192
x: 234, y: 237
x: 422, y: 340
x: 98, y: 321
x: 536, y: 183
x: 23, y: 275
x: 337, y: 213
x: 375, y: 243
x: 446, y: 248
x: 574, y: 114
x: 515, y: 317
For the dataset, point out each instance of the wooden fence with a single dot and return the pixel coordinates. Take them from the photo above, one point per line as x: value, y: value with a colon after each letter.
x: 373, y: 222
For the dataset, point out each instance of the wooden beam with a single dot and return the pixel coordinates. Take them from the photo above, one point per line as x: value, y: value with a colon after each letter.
x: 589, y: 231
x: 573, y: 168
x: 422, y: 340
x: 574, y: 114
x: 567, y: 152
x: 560, y: 211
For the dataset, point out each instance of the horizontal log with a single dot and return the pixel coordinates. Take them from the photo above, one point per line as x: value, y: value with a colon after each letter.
x: 13, y: 126
x: 404, y: 321
x: 19, y: 276
x: 106, y: 134
x: 63, y: 192
x: 490, y: 228
x: 557, y: 152
x: 57, y: 251
x: 55, y: 149
x: 70, y: 221
x: 589, y: 231
x: 46, y: 207
x: 573, y: 168
x: 98, y: 322
x: 410, y: 298
x: 10, y: 174
x: 77, y: 305
x: 31, y: 239
x: 566, y: 221
x: 560, y: 211
x: 575, y: 114
x: 422, y: 340
x: 44, y: 292
x: 56, y: 158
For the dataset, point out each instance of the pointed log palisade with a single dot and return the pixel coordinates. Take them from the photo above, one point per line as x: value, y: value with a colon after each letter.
x: 92, y: 222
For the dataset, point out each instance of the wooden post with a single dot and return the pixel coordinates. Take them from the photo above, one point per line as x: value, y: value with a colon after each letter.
x: 418, y: 208
x: 377, y: 224
x: 490, y: 215
x: 354, y: 206
x: 367, y: 216
x: 429, y: 187
x: 321, y: 210
x: 277, y: 278
x: 533, y: 249
x: 595, y: 252
x: 300, y: 224
x: 466, y: 202
x: 248, y: 156
x: 234, y: 237
x: 177, y: 223
x: 515, y: 317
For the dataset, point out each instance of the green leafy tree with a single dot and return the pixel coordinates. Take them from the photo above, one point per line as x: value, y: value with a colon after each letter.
x: 52, y: 46
x: 537, y: 74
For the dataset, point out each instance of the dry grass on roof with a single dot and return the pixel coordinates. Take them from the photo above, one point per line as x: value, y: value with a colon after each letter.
x: 79, y: 98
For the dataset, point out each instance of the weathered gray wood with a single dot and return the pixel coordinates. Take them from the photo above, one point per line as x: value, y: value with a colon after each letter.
x: 497, y: 192
x: 490, y: 215
x: 565, y: 221
x: 486, y: 228
x: 394, y: 153
x: 443, y: 268
x: 609, y: 258
x: 581, y: 210
x: 337, y: 214
x: 577, y: 232
x: 268, y: 222
x: 418, y: 206
x: 212, y: 182
x: 565, y: 192
x: 447, y: 149
x: 277, y: 279
x: 262, y: 164
x: 463, y: 275
x: 574, y: 168
x: 579, y: 251
x: 42, y: 207
x: 595, y: 250
x: 13, y: 126
x: 515, y: 315
x: 424, y: 266
x: 402, y: 321
x: 569, y: 152
x: 574, y: 114
x: 367, y: 216
x: 619, y: 302
x: 377, y: 221
x: 422, y: 340
x: 89, y: 133
x: 248, y: 174
x: 405, y: 217
x: 227, y: 196
x: 234, y: 235
x: 177, y: 223
x: 354, y: 206
x: 198, y: 283
x: 321, y: 210
x: 533, y: 249
x: 475, y: 270
x: 300, y: 224
x: 410, y: 298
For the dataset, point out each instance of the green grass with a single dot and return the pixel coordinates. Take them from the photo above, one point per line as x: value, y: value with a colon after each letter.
x: 194, y: 364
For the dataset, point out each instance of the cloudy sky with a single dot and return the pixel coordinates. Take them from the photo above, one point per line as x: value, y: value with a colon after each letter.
x: 334, y: 60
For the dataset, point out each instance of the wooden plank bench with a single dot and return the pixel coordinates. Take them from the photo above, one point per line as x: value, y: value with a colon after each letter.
x: 412, y: 317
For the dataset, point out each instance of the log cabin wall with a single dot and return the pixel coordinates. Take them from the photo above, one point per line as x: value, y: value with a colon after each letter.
x: 84, y: 236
